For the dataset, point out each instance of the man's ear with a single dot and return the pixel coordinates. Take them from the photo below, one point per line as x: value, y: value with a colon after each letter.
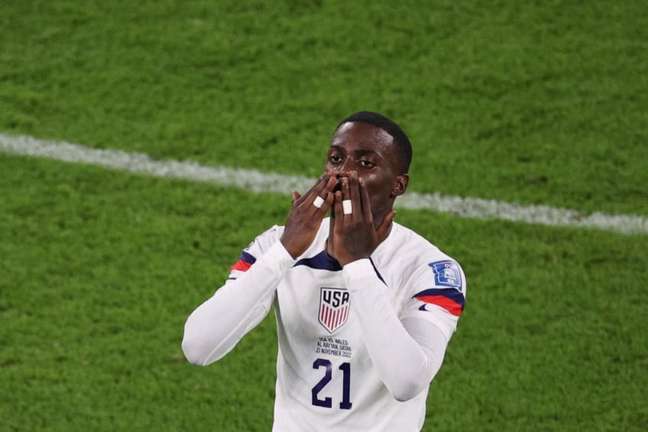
x: 400, y: 185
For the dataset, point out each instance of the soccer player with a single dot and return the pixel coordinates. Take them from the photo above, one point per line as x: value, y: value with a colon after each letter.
x: 365, y: 307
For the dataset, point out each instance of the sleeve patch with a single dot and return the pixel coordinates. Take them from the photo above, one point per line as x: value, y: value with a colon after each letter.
x: 448, y: 298
x: 447, y: 274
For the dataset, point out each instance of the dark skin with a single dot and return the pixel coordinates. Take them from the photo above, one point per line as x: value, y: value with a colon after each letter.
x: 363, y: 166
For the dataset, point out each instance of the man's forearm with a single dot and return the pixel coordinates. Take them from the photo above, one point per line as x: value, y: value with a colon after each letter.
x: 217, y: 325
x: 406, y: 365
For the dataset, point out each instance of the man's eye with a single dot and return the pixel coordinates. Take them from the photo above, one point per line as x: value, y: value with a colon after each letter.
x: 335, y: 159
x: 366, y: 164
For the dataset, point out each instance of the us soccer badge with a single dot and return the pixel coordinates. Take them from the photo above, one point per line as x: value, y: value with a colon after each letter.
x: 334, y: 308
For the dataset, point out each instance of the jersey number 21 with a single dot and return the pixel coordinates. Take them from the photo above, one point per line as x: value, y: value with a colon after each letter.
x: 327, y: 402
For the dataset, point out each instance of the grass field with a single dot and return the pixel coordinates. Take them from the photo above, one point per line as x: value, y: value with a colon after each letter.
x: 542, y: 103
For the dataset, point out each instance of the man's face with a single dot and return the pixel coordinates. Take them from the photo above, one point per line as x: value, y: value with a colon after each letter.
x: 370, y: 151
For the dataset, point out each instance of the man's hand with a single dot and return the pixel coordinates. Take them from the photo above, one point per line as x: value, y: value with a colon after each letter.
x: 353, y: 236
x: 304, y: 218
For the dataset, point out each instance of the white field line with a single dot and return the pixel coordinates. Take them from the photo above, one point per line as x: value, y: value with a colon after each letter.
x: 258, y: 181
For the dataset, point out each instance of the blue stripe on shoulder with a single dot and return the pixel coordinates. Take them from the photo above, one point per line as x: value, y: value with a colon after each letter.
x: 450, y: 293
x: 248, y: 258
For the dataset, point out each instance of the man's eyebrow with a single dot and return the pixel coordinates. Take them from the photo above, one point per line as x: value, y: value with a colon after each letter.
x: 366, y: 152
x: 369, y: 152
x: 361, y: 152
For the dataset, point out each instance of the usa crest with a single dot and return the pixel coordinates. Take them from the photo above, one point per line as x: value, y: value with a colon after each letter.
x: 334, y: 308
x: 447, y: 274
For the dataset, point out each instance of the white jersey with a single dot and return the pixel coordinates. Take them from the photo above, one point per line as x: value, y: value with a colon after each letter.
x: 325, y: 377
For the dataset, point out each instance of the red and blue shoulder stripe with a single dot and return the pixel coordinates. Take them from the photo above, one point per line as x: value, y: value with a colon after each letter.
x: 244, y: 263
x: 449, y: 299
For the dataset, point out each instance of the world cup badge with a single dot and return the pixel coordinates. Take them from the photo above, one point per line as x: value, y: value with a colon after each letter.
x: 447, y: 274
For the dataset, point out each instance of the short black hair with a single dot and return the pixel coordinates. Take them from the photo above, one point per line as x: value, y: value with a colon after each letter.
x: 400, y: 137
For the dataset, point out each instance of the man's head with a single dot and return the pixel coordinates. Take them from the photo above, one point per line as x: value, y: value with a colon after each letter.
x: 379, y: 150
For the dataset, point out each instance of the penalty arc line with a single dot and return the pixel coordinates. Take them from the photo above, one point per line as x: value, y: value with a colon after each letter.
x: 257, y: 181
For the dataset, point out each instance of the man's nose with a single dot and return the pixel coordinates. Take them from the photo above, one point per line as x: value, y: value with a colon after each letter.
x: 344, y: 169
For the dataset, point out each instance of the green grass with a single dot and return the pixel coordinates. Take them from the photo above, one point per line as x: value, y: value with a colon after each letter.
x: 100, y: 271
x: 536, y: 103
x: 99, y: 274
x: 541, y: 103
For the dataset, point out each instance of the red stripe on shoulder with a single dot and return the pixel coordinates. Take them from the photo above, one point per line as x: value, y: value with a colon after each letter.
x: 451, y: 306
x: 241, y: 265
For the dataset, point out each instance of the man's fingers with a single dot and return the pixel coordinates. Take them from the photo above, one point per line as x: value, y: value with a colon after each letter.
x: 346, y: 196
x: 383, y: 229
x: 328, y: 187
x: 322, y: 198
x: 332, y: 217
x: 354, y: 191
x: 337, y: 210
x: 366, y: 203
x: 328, y: 202
x: 309, y: 196
x: 295, y: 197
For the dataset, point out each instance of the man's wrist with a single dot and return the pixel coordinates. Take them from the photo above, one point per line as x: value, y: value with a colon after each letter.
x: 287, y: 248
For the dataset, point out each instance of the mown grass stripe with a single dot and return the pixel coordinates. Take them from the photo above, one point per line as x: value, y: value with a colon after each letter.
x: 258, y: 181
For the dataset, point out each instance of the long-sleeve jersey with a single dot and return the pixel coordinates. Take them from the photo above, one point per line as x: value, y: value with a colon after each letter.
x: 358, y: 345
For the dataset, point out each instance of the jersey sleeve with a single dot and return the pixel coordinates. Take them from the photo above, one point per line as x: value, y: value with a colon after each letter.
x: 217, y: 325
x: 437, y: 293
x: 249, y: 255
